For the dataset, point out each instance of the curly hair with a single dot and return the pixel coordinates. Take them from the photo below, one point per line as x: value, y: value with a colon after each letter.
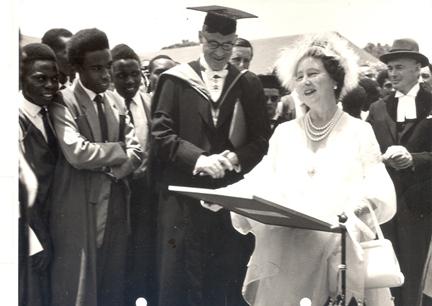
x: 84, y: 41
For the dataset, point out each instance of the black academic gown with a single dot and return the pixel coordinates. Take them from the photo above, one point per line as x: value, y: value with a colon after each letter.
x: 202, y: 259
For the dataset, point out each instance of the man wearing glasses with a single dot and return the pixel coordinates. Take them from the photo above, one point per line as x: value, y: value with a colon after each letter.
x: 209, y: 127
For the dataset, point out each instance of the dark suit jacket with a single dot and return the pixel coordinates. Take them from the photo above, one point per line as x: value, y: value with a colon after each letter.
x: 42, y: 159
x: 413, y: 185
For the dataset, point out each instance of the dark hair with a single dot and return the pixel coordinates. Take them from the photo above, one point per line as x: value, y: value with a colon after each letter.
x: 354, y: 100
x: 52, y: 38
x: 269, y: 81
x: 382, y: 76
x: 372, y: 91
x: 241, y: 42
x: 123, y: 51
x: 84, y: 41
x: 150, y: 64
x: 35, y: 52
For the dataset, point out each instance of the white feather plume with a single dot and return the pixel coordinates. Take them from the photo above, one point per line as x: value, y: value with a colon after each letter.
x: 331, y: 44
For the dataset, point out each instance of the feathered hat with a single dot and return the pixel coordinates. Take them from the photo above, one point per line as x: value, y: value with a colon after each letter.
x: 328, y: 44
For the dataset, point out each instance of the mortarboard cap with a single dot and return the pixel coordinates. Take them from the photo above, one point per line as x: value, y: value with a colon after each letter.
x: 221, y: 19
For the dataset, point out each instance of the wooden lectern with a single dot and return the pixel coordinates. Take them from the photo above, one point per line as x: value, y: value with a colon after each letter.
x: 268, y: 212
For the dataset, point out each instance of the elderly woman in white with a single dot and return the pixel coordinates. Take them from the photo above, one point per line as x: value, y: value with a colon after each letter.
x: 323, y: 163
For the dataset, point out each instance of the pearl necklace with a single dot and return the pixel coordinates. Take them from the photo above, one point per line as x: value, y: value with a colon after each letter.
x: 316, y: 133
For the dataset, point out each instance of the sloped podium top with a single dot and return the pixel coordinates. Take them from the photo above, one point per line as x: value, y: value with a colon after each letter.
x: 259, y: 209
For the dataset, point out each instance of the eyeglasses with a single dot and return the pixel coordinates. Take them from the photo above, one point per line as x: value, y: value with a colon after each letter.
x: 213, y: 44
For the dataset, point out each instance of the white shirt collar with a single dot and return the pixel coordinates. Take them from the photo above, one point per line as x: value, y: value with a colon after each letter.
x: 89, y: 92
x: 28, y: 107
x: 412, y: 93
x: 406, y: 107
x: 135, y: 98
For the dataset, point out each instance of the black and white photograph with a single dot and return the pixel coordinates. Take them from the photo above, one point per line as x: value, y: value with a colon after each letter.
x: 216, y: 153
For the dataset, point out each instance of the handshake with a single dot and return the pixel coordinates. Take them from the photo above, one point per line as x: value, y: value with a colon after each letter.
x: 215, y: 165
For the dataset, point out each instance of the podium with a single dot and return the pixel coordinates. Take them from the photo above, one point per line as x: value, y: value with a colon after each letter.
x: 268, y: 212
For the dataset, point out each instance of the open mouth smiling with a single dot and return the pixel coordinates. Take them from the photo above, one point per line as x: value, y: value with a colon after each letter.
x: 309, y: 92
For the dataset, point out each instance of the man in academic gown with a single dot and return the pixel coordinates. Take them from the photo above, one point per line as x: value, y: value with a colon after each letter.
x: 209, y: 127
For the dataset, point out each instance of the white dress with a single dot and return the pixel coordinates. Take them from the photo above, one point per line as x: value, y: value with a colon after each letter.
x: 290, y: 264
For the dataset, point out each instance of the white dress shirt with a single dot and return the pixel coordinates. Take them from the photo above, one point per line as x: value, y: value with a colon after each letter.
x: 32, y: 111
x: 406, y: 108
x: 92, y: 95
x: 214, y: 80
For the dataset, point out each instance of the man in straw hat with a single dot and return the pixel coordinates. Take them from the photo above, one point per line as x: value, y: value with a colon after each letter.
x: 402, y: 123
x: 201, y: 140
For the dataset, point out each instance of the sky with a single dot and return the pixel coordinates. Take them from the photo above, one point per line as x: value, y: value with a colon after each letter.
x: 149, y: 25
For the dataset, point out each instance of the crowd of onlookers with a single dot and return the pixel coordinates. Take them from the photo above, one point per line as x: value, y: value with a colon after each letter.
x: 96, y: 135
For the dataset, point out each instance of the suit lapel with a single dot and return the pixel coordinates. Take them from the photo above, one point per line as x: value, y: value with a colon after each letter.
x: 112, y: 113
x: 33, y: 131
x: 30, y: 130
x: 391, y: 105
x: 146, y: 102
x: 88, y: 109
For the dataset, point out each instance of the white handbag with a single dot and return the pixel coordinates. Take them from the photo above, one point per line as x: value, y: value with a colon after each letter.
x: 381, y: 265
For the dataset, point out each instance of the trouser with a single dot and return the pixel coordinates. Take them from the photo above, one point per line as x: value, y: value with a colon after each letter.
x: 111, y: 256
x: 410, y: 234
x: 140, y: 279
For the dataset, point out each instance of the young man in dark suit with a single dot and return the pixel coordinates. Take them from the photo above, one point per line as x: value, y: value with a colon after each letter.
x: 90, y: 218
x: 39, y: 81
x: 202, y: 259
x: 402, y: 122
x: 126, y: 75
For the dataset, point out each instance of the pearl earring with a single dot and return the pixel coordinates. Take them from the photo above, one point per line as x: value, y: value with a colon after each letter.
x: 335, y: 87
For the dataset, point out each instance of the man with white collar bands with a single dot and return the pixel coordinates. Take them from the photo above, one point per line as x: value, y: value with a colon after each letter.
x: 210, y: 127
x: 402, y: 122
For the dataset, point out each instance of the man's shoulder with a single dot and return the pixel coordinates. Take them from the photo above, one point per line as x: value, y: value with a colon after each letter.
x: 113, y: 95
x: 250, y: 79
x: 381, y: 102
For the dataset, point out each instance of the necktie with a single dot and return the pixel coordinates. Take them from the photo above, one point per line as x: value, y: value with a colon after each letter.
x: 48, y: 130
x: 102, y: 119
x: 128, y: 102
